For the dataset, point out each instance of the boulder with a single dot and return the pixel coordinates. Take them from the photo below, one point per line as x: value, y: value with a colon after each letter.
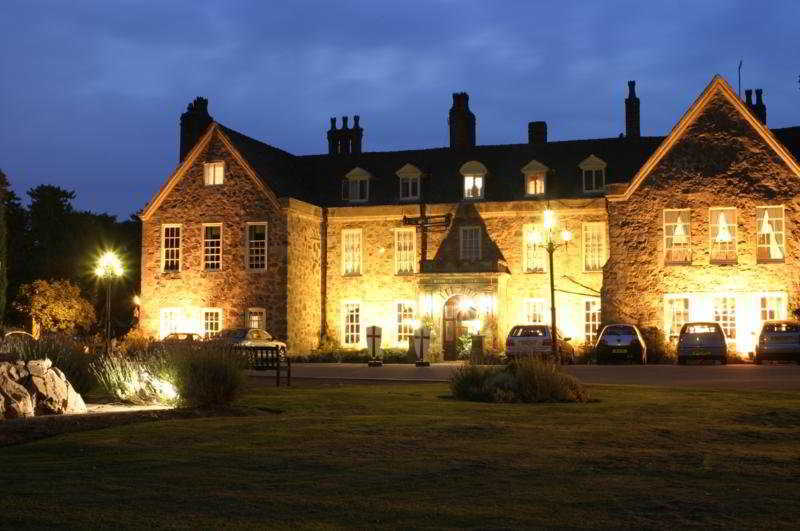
x: 18, y: 401
x: 39, y: 367
x: 50, y: 391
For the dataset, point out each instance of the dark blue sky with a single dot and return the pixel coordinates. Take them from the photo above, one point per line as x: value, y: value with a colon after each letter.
x: 91, y: 92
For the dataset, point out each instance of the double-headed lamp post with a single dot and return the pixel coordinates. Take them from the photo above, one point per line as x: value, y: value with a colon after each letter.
x: 548, y: 242
x: 108, y: 268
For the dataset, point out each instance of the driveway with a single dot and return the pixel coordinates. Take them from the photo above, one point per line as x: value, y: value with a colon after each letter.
x: 746, y: 376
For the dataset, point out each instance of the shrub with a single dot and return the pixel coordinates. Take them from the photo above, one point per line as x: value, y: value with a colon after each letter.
x: 209, y: 375
x: 64, y: 352
x: 659, y: 350
x: 135, y: 381
x: 524, y: 381
x: 463, y: 346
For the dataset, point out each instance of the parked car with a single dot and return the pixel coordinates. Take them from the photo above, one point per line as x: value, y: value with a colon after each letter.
x: 620, y: 342
x: 252, y: 337
x: 527, y: 340
x: 183, y: 336
x: 702, y: 341
x: 778, y: 341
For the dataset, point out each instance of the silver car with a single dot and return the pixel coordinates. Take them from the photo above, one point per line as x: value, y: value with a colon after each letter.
x: 526, y: 340
x: 778, y: 341
x: 702, y: 341
x: 252, y: 337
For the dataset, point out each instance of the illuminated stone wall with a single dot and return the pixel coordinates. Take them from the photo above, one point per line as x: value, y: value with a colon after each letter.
x: 233, y: 288
x: 304, y: 281
x: 721, y: 161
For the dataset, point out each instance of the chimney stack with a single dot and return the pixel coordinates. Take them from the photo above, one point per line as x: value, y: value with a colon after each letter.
x: 748, y: 98
x: 759, y: 108
x: 461, y: 122
x: 537, y: 132
x: 347, y: 140
x: 194, y: 123
x: 632, y: 112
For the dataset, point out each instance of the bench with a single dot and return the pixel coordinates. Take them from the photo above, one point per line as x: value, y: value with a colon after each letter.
x: 269, y: 359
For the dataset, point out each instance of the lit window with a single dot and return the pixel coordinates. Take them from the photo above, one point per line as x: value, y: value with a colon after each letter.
x: 773, y: 307
x: 725, y: 315
x: 409, y: 187
x: 470, y: 243
x: 351, y: 252
x: 257, y: 246
x: 722, y: 234
x: 257, y: 318
x: 170, y: 322
x: 171, y: 248
x: 535, y: 312
x: 677, y: 315
x: 594, y: 246
x: 352, y: 324
x: 473, y: 186
x: 405, y: 322
x: 677, y: 237
x: 591, y: 320
x: 212, y: 321
x: 212, y: 247
x: 405, y: 250
x: 771, y: 241
x: 534, y: 184
x: 533, y: 252
x: 213, y: 173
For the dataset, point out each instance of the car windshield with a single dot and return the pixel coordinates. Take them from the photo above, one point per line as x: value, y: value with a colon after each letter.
x: 619, y: 330
x: 702, y: 333
x: 238, y: 333
x: 529, y: 331
x: 781, y: 327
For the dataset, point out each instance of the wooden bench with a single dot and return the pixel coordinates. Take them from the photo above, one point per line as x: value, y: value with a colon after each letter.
x: 269, y: 359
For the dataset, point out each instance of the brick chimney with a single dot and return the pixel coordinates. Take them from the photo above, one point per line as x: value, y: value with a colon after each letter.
x: 537, y: 132
x: 759, y: 108
x: 347, y: 140
x: 194, y: 123
x: 632, y: 112
x: 461, y: 122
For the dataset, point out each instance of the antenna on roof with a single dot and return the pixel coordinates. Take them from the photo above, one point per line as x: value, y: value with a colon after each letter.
x: 740, y: 79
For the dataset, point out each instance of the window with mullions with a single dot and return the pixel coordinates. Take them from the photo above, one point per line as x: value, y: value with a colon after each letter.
x: 213, y: 173
x: 212, y: 322
x: 355, y: 189
x: 591, y: 320
x: 171, y: 248
x: 405, y: 322
x: 722, y: 234
x: 725, y: 315
x: 405, y: 253
x: 351, y: 252
x: 533, y: 252
x: 257, y: 246
x: 473, y: 186
x: 771, y: 234
x: 535, y: 312
x: 470, y: 243
x: 409, y: 187
x: 351, y: 334
x: 677, y: 237
x: 212, y: 247
x: 594, y: 246
x: 677, y: 315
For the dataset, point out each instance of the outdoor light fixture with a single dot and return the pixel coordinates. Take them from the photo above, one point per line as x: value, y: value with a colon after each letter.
x: 108, y: 268
x: 551, y: 246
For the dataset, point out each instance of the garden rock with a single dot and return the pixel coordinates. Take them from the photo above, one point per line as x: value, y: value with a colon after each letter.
x: 36, y: 387
x: 39, y: 367
x: 19, y: 402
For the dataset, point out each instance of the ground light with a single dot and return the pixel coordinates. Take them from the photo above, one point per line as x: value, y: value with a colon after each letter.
x: 108, y: 268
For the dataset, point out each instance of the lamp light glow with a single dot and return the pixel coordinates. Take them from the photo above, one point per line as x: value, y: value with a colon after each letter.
x: 549, y: 219
x: 566, y: 235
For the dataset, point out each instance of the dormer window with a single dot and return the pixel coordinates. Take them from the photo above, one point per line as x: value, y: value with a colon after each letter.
x: 213, y: 173
x: 534, y: 173
x: 409, y: 182
x: 355, y: 187
x: 474, y: 174
x: 593, y: 173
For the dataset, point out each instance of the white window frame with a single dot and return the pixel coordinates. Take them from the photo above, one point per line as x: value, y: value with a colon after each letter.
x: 461, y: 241
x: 531, y: 250
x: 164, y: 228
x: 728, y: 315
x: 402, y: 264
x: 352, y: 183
x: 402, y: 328
x: 671, y: 330
x: 535, y: 170
x: 588, y: 226
x: 473, y: 181
x: 593, y: 164
x: 410, y: 175
x: 345, y: 334
x: 592, y: 318
x: 360, y: 261
x: 256, y: 310
x: 163, y: 330
x: 669, y: 230
x: 783, y: 233
x: 220, y: 320
x: 205, y: 249
x: 214, y: 173
x: 780, y: 310
x: 248, y: 249
x: 729, y: 248
x: 529, y: 311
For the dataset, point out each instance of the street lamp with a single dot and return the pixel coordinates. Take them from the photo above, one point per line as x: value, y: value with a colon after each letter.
x: 108, y: 268
x: 551, y: 246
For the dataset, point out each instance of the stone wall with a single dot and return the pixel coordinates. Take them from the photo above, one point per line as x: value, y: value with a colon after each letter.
x: 233, y: 288
x: 304, y: 281
x: 721, y: 161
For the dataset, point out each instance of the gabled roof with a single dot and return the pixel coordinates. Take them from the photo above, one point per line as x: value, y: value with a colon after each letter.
x: 718, y: 85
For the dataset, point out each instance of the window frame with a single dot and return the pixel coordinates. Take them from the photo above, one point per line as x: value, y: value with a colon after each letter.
x: 221, y: 321
x: 461, y: 232
x: 666, y: 261
x: 176, y: 311
x: 713, y: 230
x: 360, y: 233
x: 405, y: 230
x: 398, y: 323
x: 725, y: 323
x: 603, y: 242
x: 593, y: 164
x: 526, y: 310
x: 480, y: 190
x: 247, y: 249
x: 345, y: 334
x: 208, y: 170
x: 589, y: 322
x: 538, y: 251
x: 219, y: 251
x: 668, y: 314
x: 256, y: 310
x: 164, y: 227
x: 783, y: 233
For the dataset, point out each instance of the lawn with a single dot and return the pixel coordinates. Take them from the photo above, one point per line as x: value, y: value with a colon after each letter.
x: 409, y: 456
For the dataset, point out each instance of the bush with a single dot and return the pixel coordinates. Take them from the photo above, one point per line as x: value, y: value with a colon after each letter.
x: 209, y: 376
x: 65, y: 353
x: 659, y: 350
x: 135, y: 381
x: 524, y: 381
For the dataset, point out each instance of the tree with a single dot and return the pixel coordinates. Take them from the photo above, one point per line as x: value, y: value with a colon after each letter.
x: 3, y: 244
x: 55, y: 306
x: 51, y: 231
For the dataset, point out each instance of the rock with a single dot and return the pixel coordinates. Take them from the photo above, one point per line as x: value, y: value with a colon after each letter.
x: 5, y: 366
x: 18, y: 401
x: 59, y: 373
x: 51, y: 393
x: 75, y: 403
x: 39, y: 367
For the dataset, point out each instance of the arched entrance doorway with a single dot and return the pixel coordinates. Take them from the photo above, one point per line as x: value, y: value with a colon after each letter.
x: 457, y: 309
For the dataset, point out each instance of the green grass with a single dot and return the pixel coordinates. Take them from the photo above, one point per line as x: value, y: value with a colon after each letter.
x: 408, y: 456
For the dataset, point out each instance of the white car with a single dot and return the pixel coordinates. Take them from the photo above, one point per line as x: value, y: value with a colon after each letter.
x: 537, y: 339
x: 252, y: 337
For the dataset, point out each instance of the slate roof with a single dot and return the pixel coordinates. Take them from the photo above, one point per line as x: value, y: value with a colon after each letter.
x: 317, y: 179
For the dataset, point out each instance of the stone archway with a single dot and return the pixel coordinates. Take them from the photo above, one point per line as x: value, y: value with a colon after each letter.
x: 457, y: 309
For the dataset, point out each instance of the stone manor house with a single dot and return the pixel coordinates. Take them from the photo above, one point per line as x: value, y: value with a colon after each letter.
x: 700, y: 224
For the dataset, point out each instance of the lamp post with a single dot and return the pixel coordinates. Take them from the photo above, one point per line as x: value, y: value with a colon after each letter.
x: 551, y: 246
x: 108, y: 268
